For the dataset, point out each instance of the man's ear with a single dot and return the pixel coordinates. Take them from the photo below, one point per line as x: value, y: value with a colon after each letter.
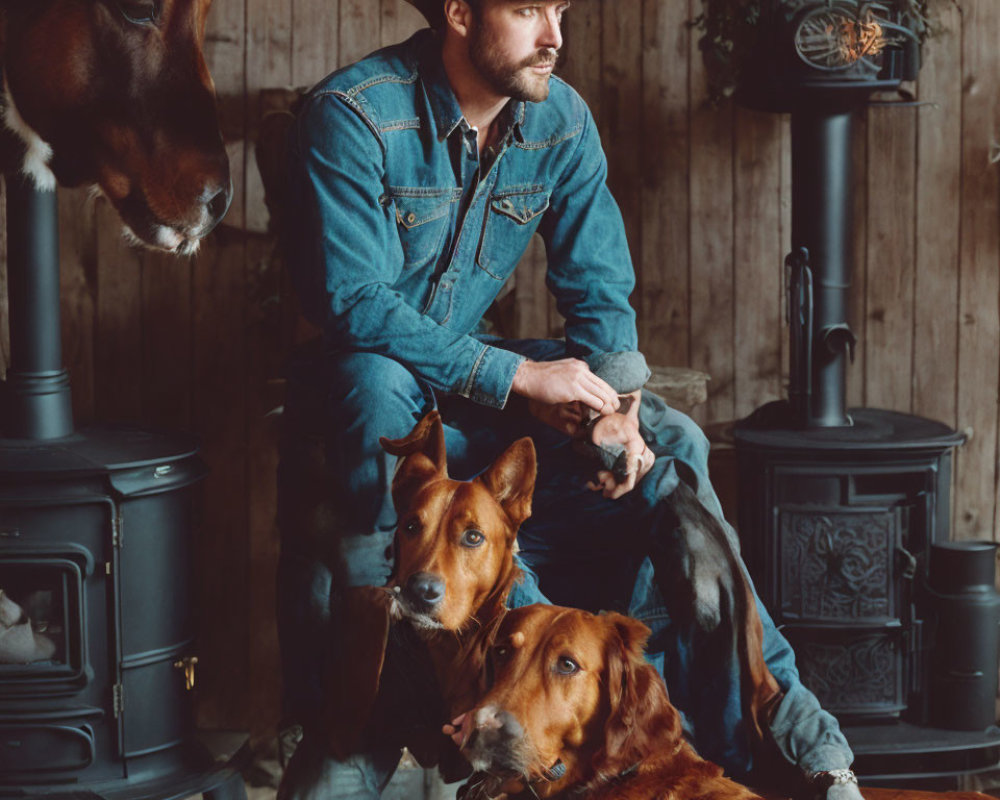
x: 458, y: 16
x: 422, y: 457
x: 511, y: 479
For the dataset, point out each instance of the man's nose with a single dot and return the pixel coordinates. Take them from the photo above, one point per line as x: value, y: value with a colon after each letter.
x: 551, y: 36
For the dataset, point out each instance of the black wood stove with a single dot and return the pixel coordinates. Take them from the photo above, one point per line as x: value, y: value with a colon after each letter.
x: 844, y: 513
x: 97, y: 527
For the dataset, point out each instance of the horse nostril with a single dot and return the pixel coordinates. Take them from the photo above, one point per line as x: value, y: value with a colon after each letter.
x: 426, y: 588
x: 218, y: 204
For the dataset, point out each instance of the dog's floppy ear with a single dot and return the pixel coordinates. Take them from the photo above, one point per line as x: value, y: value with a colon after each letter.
x: 641, y: 717
x: 763, y: 690
x: 511, y: 479
x: 422, y: 457
x: 355, y: 673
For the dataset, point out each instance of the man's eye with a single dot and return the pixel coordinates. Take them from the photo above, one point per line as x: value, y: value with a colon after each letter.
x: 566, y: 666
x: 141, y: 12
x: 528, y: 11
x: 472, y: 538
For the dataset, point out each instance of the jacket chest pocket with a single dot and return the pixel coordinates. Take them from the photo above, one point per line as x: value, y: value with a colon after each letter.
x: 512, y: 219
x: 422, y: 218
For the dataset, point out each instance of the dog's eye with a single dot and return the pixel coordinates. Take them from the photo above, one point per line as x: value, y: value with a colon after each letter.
x: 472, y: 538
x: 501, y: 652
x: 567, y: 666
x: 412, y: 526
x: 141, y: 12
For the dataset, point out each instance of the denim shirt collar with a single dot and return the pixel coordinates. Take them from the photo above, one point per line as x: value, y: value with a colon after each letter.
x: 444, y: 105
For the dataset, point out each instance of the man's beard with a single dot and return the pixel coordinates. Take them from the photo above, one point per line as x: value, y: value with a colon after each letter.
x: 506, y: 78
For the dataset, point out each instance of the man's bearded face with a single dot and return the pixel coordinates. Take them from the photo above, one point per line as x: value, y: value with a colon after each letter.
x: 511, y: 57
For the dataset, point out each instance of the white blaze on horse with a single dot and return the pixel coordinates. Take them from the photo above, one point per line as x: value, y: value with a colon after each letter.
x: 116, y: 94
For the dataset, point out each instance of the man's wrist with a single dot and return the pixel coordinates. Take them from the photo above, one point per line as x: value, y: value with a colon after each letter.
x: 518, y: 384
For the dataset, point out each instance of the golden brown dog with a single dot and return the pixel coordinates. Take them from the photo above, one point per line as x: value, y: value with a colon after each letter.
x: 409, y: 643
x: 574, y: 710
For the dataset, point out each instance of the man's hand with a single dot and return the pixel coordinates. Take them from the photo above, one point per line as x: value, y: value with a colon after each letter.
x: 567, y: 380
x: 622, y: 429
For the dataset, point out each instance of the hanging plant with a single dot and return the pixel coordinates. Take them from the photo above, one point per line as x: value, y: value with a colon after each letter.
x: 731, y: 33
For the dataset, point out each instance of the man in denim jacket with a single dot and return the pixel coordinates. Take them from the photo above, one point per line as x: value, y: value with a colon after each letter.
x: 419, y: 175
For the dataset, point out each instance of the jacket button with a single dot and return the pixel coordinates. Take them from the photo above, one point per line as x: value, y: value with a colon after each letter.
x: 411, y: 217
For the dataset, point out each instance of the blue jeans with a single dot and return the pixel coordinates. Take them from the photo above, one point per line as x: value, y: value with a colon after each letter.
x: 582, y: 548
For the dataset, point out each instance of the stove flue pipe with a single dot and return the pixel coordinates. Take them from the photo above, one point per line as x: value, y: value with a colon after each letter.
x: 821, y: 238
x: 35, y: 397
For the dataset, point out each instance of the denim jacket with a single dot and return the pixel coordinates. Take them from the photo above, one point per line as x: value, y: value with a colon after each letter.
x: 403, y: 236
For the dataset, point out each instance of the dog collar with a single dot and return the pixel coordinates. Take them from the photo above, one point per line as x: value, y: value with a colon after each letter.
x: 621, y: 777
x: 486, y: 786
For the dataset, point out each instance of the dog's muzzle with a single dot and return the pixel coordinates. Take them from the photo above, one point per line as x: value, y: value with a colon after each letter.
x: 424, y: 592
x: 496, y: 741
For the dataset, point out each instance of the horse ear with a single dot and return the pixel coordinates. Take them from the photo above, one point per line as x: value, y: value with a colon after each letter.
x: 422, y: 458
x: 642, y: 718
x: 511, y: 479
x: 355, y: 672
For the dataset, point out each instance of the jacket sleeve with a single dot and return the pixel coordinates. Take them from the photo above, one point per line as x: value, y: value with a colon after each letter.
x: 590, y: 271
x: 347, y: 257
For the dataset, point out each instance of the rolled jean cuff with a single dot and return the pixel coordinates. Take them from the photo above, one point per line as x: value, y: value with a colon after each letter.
x: 826, y: 758
x: 625, y: 372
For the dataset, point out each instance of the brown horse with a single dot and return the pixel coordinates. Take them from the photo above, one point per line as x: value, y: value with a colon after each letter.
x: 116, y: 93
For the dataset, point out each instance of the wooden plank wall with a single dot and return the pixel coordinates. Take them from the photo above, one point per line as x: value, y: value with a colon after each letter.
x: 198, y: 344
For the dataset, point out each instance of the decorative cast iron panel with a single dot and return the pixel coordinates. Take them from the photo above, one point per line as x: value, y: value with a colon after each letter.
x: 852, y: 674
x: 836, y: 566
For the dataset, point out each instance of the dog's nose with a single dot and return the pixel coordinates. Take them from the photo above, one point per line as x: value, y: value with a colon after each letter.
x: 494, y: 727
x: 425, y: 589
x: 497, y: 719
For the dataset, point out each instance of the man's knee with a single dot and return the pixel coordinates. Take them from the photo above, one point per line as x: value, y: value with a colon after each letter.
x: 672, y: 432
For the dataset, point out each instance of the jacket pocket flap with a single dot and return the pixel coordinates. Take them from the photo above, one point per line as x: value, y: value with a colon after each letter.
x: 412, y: 212
x: 521, y: 207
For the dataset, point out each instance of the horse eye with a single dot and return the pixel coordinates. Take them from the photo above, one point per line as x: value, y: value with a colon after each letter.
x: 567, y: 666
x: 141, y: 12
x: 472, y: 538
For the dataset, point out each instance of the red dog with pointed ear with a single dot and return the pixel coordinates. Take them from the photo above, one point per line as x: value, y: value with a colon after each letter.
x: 412, y: 647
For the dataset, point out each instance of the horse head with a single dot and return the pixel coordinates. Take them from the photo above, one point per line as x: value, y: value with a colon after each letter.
x: 116, y: 94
